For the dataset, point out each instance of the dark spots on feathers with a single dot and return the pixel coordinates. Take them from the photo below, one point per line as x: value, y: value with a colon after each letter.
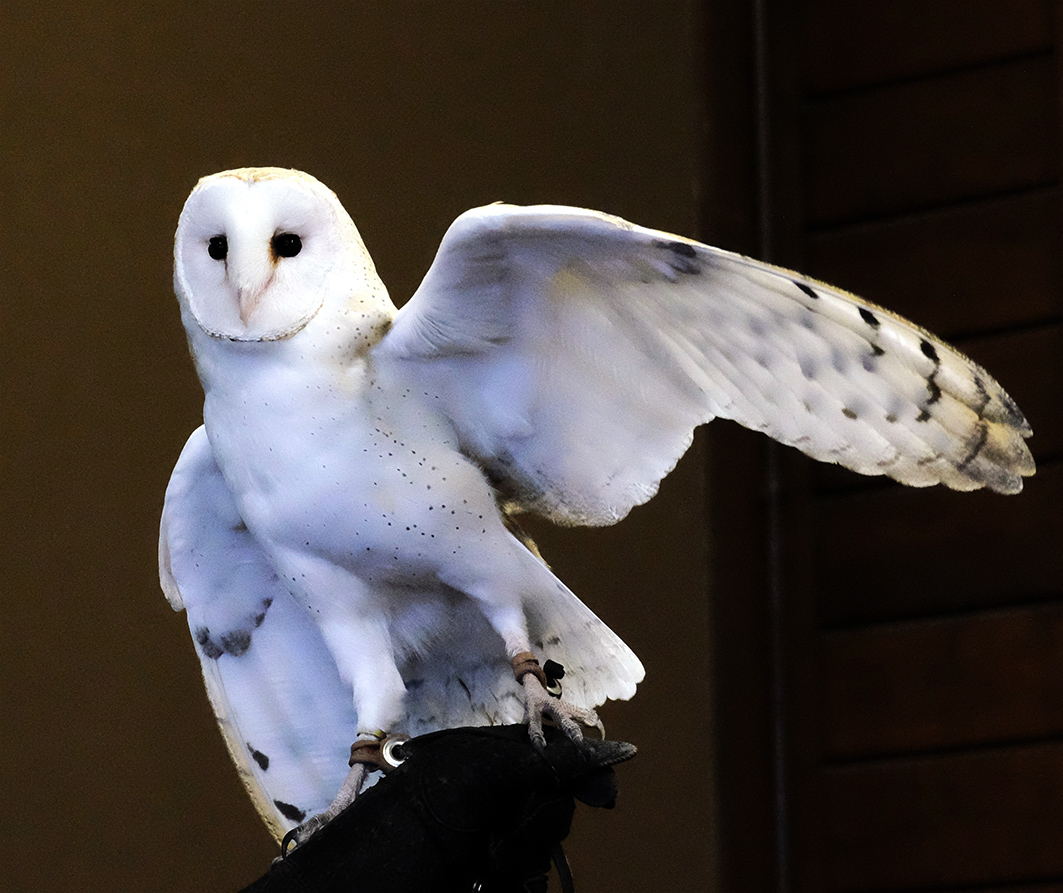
x: 683, y: 249
x: 291, y: 813
x: 869, y: 317
x: 1015, y: 418
x: 239, y: 527
x: 207, y: 645
x: 924, y: 415
x: 237, y: 642
x: 931, y: 383
x: 891, y: 418
x: 868, y: 361
x: 978, y: 444
x: 849, y: 414
x: 684, y: 257
x: 259, y: 757
x: 806, y: 289
x: 261, y: 615
x: 983, y: 395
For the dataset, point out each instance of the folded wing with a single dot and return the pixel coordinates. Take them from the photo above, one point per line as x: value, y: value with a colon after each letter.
x: 286, y: 716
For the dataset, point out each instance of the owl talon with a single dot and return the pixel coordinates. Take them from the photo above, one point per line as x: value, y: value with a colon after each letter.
x: 300, y: 834
x: 349, y: 790
x: 570, y: 718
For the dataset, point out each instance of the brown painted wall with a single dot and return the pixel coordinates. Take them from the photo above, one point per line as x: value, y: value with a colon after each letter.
x: 113, y: 775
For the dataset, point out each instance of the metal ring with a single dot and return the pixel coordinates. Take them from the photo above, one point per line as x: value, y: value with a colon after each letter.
x: 387, y: 750
x: 553, y: 687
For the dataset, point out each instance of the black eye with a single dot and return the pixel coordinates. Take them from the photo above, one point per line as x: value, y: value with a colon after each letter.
x: 218, y: 247
x: 286, y: 244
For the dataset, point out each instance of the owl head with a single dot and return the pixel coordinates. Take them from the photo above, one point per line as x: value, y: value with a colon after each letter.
x: 259, y: 251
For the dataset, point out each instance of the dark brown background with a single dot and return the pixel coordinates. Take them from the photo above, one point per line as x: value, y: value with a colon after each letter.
x: 114, y: 777
x: 872, y: 697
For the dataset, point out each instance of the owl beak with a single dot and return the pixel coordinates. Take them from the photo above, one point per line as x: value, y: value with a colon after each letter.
x: 249, y: 270
x: 247, y: 300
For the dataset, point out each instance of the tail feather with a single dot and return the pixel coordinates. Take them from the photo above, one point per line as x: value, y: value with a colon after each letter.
x: 470, y: 681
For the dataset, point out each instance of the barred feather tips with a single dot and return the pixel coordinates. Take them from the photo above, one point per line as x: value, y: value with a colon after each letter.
x: 942, y: 417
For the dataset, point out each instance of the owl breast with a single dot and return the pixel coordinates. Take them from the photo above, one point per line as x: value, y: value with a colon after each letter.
x: 351, y: 474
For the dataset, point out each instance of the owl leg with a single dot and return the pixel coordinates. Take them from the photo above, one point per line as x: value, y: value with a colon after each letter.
x: 507, y: 617
x: 363, y: 653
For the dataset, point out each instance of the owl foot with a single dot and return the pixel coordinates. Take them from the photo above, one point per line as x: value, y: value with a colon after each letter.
x: 369, y: 752
x: 542, y: 697
x: 349, y: 790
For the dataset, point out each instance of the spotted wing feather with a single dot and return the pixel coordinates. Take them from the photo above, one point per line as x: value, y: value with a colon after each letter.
x: 284, y: 713
x: 575, y: 353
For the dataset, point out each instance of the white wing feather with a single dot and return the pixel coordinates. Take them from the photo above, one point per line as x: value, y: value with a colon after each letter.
x: 286, y: 716
x: 575, y: 353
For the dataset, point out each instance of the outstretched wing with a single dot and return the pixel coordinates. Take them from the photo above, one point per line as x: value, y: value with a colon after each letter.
x: 286, y: 716
x: 575, y: 353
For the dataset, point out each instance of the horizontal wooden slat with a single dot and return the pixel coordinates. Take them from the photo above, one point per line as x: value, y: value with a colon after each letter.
x: 918, y: 686
x: 850, y: 44
x: 987, y: 265
x: 979, y: 818
x: 899, y: 552
x: 1029, y: 365
x: 1045, y: 887
x: 927, y: 143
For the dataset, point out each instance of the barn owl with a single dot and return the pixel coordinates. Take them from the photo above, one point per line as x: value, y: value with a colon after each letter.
x: 340, y: 531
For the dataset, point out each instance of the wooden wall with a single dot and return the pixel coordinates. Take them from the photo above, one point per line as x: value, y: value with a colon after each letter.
x: 909, y: 715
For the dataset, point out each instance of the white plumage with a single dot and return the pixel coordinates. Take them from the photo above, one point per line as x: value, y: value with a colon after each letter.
x: 339, y: 532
